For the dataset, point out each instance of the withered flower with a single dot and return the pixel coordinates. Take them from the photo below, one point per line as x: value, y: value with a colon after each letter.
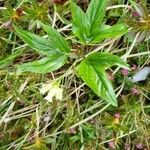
x: 139, y: 22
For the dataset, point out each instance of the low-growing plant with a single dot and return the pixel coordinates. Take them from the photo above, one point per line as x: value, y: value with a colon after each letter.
x: 88, y: 28
x: 59, y: 60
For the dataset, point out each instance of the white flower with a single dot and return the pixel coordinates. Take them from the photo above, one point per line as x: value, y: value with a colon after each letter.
x: 141, y: 75
x: 53, y: 90
x: 45, y: 88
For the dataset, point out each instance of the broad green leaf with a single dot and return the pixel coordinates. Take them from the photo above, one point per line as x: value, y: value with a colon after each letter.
x: 9, y: 59
x: 84, y: 24
x: 106, y: 60
x: 36, y: 42
x: 56, y: 38
x: 109, y: 32
x: 80, y: 25
x: 96, y: 12
x: 97, y: 80
x: 89, y: 28
x: 44, y: 65
x: 92, y: 71
x: 56, y: 49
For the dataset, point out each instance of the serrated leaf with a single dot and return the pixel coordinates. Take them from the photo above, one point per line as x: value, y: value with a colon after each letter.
x: 9, y: 59
x: 41, y: 45
x: 80, y: 24
x: 106, y: 60
x: 92, y: 71
x: 56, y: 49
x: 95, y: 13
x: 44, y: 65
x: 109, y: 32
x: 97, y: 80
x: 84, y: 24
x: 56, y: 39
x: 89, y: 28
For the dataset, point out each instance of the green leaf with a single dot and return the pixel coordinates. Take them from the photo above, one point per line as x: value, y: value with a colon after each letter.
x: 79, y: 25
x: 95, y: 13
x: 56, y: 38
x: 109, y: 32
x: 106, y: 60
x: 36, y: 42
x: 56, y: 49
x: 44, y: 65
x: 9, y: 59
x: 88, y: 26
x: 92, y: 71
x: 97, y: 80
x: 84, y: 24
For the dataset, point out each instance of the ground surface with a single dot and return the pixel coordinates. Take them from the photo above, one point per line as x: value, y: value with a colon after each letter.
x: 74, y: 117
